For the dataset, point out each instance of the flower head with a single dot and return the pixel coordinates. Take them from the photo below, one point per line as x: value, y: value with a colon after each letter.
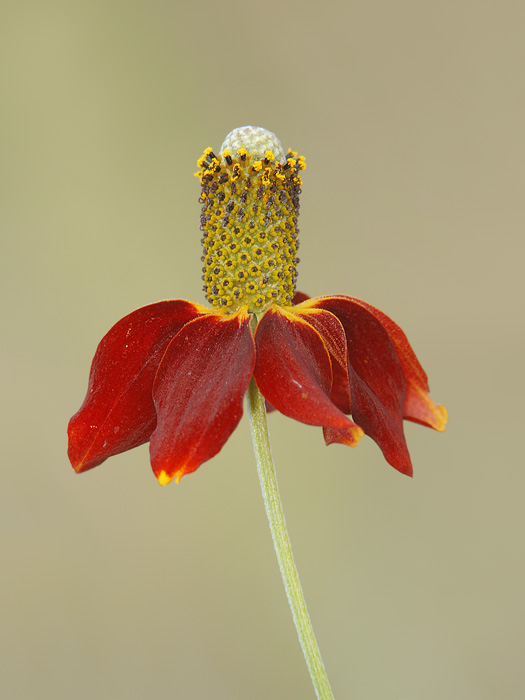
x: 250, y: 205
x: 175, y: 372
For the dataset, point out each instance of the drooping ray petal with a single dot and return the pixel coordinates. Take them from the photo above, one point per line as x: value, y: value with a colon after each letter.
x: 341, y: 388
x: 340, y: 385
x: 332, y: 332
x: 377, y: 382
x: 346, y: 436
x: 293, y: 369
x: 118, y: 412
x: 198, y: 392
x: 418, y: 406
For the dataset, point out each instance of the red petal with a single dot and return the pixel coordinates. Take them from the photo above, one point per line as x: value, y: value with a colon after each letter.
x: 293, y: 369
x: 269, y: 407
x: 198, y: 392
x: 377, y: 381
x: 332, y: 332
x: 299, y: 298
x: 418, y: 406
x: 118, y: 412
x: 348, y: 436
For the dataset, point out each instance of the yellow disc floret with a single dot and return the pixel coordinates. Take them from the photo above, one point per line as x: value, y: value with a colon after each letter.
x: 250, y: 205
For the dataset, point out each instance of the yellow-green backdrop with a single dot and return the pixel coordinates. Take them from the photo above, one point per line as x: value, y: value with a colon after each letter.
x: 410, y: 115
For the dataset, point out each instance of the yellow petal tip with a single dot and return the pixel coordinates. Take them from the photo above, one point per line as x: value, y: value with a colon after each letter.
x: 442, y: 418
x: 355, y: 433
x: 163, y: 478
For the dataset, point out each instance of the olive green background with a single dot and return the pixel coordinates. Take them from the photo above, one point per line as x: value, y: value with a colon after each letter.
x: 410, y: 115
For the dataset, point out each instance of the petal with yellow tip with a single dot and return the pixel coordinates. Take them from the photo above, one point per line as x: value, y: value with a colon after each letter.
x: 164, y: 478
x: 348, y: 436
x: 199, y: 390
x: 118, y: 412
x: 293, y: 369
x: 418, y: 406
x: 377, y: 381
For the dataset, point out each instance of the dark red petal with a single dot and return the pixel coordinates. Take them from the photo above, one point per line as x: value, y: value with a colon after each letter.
x: 299, y: 298
x: 377, y: 381
x: 341, y: 388
x: 332, y: 332
x: 418, y: 406
x: 269, y: 407
x: 118, y: 412
x: 198, y: 392
x: 293, y: 369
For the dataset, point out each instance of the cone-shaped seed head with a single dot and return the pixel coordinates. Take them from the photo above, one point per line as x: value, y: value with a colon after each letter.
x: 250, y: 205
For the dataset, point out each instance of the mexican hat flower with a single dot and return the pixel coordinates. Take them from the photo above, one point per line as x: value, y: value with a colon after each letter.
x: 175, y: 373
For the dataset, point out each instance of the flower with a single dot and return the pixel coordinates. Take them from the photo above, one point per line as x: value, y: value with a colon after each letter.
x: 175, y: 372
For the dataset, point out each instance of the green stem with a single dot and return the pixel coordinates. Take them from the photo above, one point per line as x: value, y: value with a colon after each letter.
x: 281, y: 542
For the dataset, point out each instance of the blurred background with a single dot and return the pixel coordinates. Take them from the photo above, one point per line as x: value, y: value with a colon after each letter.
x: 410, y: 115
